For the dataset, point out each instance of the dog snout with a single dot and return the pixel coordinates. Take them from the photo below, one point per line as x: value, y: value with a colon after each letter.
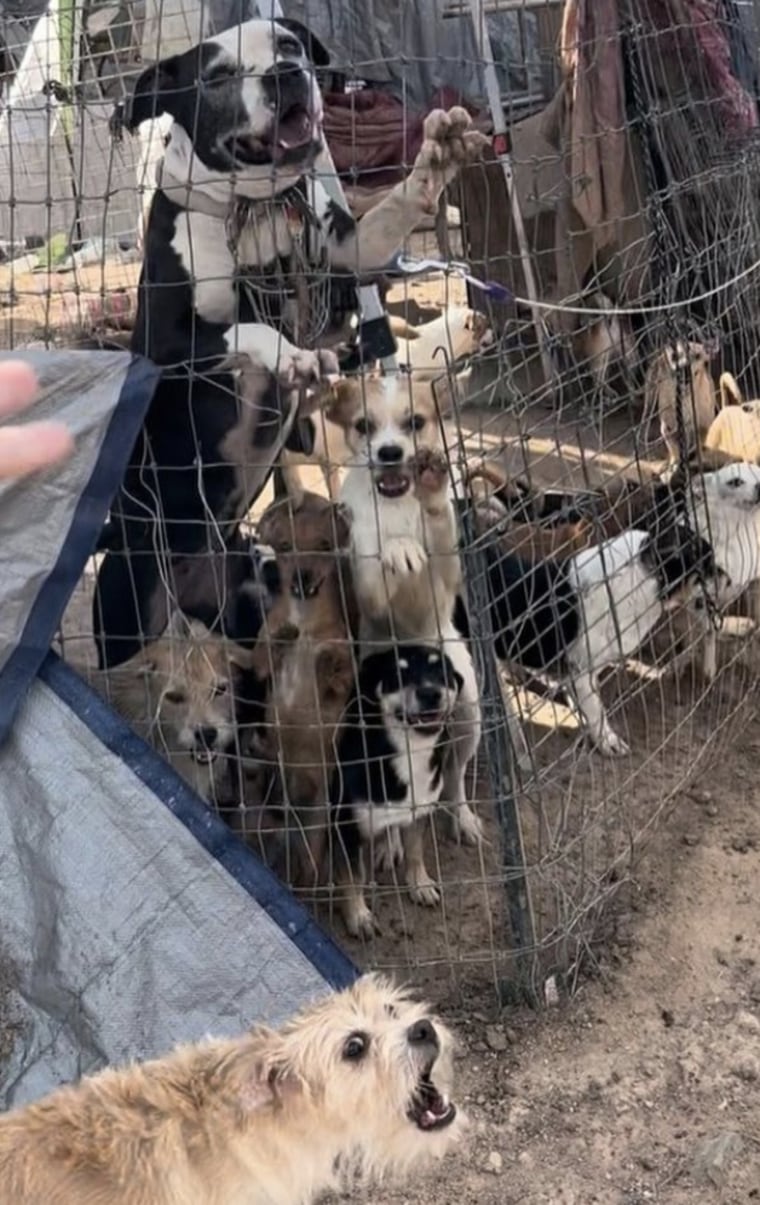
x: 205, y: 736
x: 429, y: 698
x: 423, y: 1033
x: 390, y: 454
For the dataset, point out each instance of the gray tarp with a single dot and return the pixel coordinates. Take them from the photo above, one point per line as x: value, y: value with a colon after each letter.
x: 132, y: 918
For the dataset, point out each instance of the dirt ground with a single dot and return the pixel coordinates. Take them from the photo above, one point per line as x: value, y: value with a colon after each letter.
x: 644, y: 1087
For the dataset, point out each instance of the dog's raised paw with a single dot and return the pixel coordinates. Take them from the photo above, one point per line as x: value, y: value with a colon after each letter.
x: 302, y: 369
x: 450, y: 143
x: 404, y: 555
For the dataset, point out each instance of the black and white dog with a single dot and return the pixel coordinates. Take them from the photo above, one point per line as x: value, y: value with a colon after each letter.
x: 245, y: 260
x: 572, y: 619
x: 389, y: 769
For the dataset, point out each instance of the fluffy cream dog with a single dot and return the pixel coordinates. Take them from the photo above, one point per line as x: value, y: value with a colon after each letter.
x: 356, y: 1082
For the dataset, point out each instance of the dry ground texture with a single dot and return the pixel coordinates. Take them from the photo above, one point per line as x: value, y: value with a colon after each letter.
x: 646, y: 1086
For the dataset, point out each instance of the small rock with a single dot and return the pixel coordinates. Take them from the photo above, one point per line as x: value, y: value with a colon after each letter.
x: 496, y: 1039
x: 742, y: 845
x: 647, y: 1162
x: 746, y: 1069
x: 699, y: 796
x: 495, y: 1163
x: 711, y: 810
x: 668, y: 1019
x: 748, y: 1021
x: 690, y: 839
x: 713, y: 1156
x: 480, y: 1100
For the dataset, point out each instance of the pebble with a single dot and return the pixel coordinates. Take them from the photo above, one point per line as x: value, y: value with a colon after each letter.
x: 495, y: 1162
x: 496, y: 1039
x: 746, y: 1069
x: 748, y: 1021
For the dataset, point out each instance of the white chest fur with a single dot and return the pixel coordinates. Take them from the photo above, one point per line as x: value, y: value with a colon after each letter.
x: 412, y: 767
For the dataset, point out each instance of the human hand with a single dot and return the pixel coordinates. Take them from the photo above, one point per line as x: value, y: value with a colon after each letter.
x: 33, y: 446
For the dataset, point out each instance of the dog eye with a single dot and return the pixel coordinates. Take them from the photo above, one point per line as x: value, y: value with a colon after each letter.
x: 364, y: 426
x: 416, y: 422
x: 219, y: 75
x: 356, y: 1047
x: 174, y: 696
x: 221, y: 687
x: 735, y: 482
x: 289, y: 46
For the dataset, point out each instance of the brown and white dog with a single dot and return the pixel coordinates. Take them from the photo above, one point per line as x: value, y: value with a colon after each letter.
x: 305, y: 653
x: 404, y: 547
x: 357, y: 1083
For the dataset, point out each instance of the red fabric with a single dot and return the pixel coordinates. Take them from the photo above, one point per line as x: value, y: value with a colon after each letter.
x: 373, y: 137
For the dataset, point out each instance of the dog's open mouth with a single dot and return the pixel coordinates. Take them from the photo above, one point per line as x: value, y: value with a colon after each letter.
x: 292, y: 130
x: 392, y: 483
x: 430, y: 1109
x: 205, y: 757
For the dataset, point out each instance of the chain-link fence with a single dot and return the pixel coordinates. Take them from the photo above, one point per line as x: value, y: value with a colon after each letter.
x: 566, y: 308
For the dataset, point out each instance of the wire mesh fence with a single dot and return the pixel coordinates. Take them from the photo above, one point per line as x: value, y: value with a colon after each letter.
x: 563, y: 311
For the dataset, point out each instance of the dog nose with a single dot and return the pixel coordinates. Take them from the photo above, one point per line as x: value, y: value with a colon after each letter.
x: 390, y: 454
x: 206, y: 736
x: 422, y: 1033
x: 428, y: 697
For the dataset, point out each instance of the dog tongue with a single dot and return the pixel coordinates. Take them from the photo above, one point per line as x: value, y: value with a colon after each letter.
x: 294, y: 130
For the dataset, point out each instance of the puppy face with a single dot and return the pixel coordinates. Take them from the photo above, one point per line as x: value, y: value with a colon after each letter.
x: 385, y: 421
x: 187, y: 682
x: 374, y: 1067
x: 244, y: 103
x: 416, y: 685
x: 736, y: 484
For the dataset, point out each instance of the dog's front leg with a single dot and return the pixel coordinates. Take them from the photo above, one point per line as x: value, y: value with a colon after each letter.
x: 267, y: 348
x: 449, y: 143
x: 422, y: 889
x: 464, y: 737
x: 607, y: 741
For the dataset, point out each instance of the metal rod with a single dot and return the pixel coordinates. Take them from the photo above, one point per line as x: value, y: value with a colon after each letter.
x: 504, y: 158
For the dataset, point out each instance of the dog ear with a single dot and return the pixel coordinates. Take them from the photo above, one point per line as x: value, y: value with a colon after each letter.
x: 179, y: 627
x: 342, y: 400
x: 256, y: 1073
x: 317, y: 53
x: 152, y: 94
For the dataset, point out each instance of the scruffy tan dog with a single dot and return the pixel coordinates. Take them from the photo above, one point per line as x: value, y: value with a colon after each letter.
x: 178, y: 693
x: 356, y: 1083
x: 305, y: 652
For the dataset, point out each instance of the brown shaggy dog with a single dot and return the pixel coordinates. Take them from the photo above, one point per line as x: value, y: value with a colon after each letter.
x: 305, y: 652
x: 264, y: 1119
x: 178, y: 693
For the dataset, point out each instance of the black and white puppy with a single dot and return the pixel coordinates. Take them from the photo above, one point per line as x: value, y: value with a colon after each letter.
x: 245, y: 258
x: 389, y: 769
x: 572, y: 619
